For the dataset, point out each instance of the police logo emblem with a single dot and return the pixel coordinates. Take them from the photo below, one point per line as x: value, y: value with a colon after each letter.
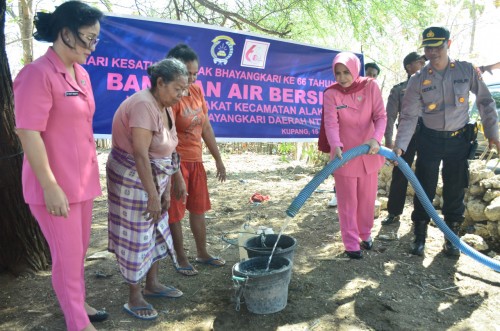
x: 426, y: 82
x: 432, y: 106
x: 430, y: 34
x: 222, y: 49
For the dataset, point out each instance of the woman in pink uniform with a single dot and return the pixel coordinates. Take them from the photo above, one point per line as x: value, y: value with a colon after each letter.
x: 355, y: 115
x: 54, y: 106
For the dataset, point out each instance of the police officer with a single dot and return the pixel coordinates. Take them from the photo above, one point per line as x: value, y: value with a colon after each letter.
x: 412, y: 63
x: 439, y: 93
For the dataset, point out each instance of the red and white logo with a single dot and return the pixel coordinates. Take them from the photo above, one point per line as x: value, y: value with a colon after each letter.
x: 254, y: 54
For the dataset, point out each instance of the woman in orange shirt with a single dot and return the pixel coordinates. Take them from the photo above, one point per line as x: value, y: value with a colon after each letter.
x: 192, y: 124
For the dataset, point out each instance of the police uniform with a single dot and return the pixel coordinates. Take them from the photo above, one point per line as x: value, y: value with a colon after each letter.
x: 399, y: 183
x: 442, y: 101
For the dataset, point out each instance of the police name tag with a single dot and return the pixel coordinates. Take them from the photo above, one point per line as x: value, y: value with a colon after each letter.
x: 71, y: 93
x: 341, y: 107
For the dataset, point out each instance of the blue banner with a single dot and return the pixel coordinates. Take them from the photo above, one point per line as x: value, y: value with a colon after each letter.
x: 256, y: 88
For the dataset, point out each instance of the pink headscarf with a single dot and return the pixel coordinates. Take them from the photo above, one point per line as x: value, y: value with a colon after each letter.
x: 351, y: 61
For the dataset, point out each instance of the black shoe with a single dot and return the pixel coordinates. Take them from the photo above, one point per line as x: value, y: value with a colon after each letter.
x: 450, y: 249
x: 100, y: 316
x: 418, y: 248
x: 354, y: 254
x: 366, y: 245
x: 390, y: 219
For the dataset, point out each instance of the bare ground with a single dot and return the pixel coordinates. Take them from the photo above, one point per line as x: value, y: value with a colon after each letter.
x: 387, y: 290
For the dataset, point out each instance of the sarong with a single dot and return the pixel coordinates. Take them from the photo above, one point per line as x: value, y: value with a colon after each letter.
x: 136, y: 241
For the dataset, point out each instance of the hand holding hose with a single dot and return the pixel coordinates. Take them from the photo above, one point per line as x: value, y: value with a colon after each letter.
x: 374, y: 146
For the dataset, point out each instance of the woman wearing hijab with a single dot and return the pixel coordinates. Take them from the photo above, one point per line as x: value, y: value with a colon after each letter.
x: 354, y: 115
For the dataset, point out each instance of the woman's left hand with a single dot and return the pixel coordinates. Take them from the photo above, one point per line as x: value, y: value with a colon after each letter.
x: 374, y: 146
x: 221, y: 171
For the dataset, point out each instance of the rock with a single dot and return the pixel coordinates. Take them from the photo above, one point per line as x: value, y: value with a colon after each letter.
x: 491, y: 182
x: 475, y: 242
x: 491, y: 194
x: 274, y: 178
x: 492, y: 212
x: 102, y: 255
x: 476, y: 190
x: 475, y: 209
x: 300, y: 176
x: 383, y: 202
x: 481, y: 230
x: 478, y: 172
x: 439, y: 189
x: 410, y: 191
x: 492, y: 229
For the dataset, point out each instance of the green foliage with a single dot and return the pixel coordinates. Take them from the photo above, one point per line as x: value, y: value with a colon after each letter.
x: 314, y: 156
x: 286, y: 150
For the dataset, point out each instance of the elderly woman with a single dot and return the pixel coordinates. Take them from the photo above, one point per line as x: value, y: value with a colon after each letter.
x: 139, y: 169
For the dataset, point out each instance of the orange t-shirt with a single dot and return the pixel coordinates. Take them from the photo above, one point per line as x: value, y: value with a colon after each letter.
x: 190, y: 115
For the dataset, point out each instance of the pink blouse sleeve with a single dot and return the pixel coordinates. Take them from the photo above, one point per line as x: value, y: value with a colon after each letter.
x: 32, y: 99
x: 331, y: 120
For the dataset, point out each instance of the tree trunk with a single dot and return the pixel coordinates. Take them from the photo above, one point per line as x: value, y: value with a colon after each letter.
x: 22, y: 245
x: 26, y: 27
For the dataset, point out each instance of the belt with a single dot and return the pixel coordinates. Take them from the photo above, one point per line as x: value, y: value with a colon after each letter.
x: 442, y: 134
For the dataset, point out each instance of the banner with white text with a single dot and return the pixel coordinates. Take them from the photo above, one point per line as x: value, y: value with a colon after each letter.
x: 256, y: 88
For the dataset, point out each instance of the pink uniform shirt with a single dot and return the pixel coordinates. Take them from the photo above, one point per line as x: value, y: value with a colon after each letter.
x: 49, y: 100
x: 351, y: 120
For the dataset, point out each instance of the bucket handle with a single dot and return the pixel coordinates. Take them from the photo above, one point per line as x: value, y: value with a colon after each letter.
x: 239, y: 286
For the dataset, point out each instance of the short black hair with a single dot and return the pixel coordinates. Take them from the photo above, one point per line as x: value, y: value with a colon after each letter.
x: 168, y: 69
x: 372, y: 65
x: 71, y: 15
x: 184, y: 53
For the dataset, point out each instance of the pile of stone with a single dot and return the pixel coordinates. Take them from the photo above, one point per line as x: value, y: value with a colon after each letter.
x: 482, y: 199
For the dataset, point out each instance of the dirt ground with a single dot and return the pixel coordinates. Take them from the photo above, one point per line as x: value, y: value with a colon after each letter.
x: 388, y: 289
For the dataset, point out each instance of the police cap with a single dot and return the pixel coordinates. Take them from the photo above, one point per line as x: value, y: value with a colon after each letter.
x: 435, y: 36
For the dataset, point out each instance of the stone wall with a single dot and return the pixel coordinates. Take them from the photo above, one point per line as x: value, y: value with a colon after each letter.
x: 482, y: 199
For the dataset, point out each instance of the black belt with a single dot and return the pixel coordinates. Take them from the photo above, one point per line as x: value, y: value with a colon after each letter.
x: 442, y: 134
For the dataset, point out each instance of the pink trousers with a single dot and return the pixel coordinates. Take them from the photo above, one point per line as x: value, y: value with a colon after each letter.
x: 68, y: 239
x: 356, y: 206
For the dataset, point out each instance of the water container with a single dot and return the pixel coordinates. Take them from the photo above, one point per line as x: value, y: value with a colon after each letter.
x: 265, y: 292
x: 246, y: 232
x: 262, y: 245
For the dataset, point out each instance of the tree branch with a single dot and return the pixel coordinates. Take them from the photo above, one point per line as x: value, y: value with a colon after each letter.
x: 235, y: 17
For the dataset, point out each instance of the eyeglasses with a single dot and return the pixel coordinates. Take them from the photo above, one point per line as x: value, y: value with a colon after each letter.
x: 92, y: 40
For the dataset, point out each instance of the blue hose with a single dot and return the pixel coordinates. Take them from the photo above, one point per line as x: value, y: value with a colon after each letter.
x: 306, y: 192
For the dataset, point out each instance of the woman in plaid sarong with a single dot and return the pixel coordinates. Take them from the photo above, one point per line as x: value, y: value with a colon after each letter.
x: 139, y: 170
